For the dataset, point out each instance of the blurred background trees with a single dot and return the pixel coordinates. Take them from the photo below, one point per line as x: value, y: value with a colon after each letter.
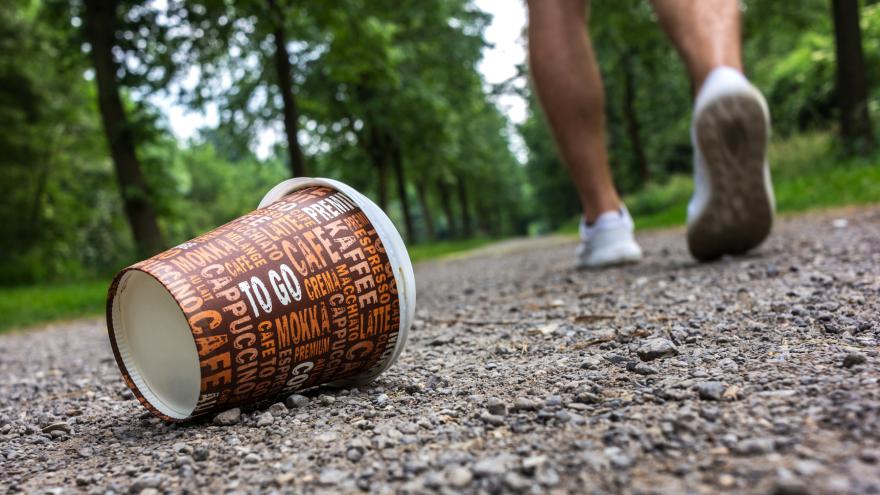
x: 384, y: 95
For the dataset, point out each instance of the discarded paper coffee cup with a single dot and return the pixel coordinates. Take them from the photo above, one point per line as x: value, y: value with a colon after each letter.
x: 314, y: 287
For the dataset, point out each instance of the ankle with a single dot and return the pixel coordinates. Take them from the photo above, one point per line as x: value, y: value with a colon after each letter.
x: 594, y: 211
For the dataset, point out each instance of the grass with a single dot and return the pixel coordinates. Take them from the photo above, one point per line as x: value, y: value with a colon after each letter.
x: 423, y: 252
x: 24, y: 306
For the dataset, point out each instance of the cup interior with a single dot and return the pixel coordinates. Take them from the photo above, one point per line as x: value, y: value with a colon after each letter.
x: 156, y: 344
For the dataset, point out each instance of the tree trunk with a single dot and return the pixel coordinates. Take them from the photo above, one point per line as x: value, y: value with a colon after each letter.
x: 283, y: 72
x: 397, y: 161
x: 377, y: 149
x: 852, y: 88
x: 464, y: 208
x: 100, y: 30
x: 446, y: 206
x: 422, y: 192
x: 633, y: 130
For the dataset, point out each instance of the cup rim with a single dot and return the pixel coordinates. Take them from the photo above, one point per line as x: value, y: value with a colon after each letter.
x: 404, y: 275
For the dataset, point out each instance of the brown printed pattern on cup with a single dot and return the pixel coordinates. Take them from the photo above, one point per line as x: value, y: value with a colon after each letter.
x: 287, y: 297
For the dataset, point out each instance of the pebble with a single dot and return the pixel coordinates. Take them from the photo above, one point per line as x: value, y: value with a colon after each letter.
x: 144, y: 482
x: 754, y: 446
x: 656, y: 348
x: 354, y: 455
x: 278, y: 409
x: 492, y: 419
x: 711, y: 390
x: 265, y: 419
x: 330, y: 476
x: 491, y: 466
x: 459, y: 477
x: 854, y: 358
x: 200, y: 454
x: 524, y: 404
x: 641, y: 368
x: 296, y: 401
x: 496, y: 406
x: 228, y: 418
x: 252, y: 458
x: 60, y: 426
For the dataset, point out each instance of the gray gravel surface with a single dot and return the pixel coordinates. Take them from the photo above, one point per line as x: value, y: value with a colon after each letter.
x: 748, y: 375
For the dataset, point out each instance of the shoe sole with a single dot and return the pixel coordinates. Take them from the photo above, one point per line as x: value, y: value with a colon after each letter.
x: 732, y: 133
x: 630, y: 258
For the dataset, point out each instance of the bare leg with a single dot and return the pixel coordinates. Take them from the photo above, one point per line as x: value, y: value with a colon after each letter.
x: 569, y: 87
x: 705, y: 32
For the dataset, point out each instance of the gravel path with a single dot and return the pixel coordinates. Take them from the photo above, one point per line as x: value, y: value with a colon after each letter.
x: 749, y: 375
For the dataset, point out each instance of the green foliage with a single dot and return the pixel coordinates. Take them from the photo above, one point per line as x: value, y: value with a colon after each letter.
x: 25, y: 306
x: 809, y: 171
x: 443, y: 249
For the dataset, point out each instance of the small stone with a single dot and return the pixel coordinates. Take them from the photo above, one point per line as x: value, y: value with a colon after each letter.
x: 870, y: 456
x: 278, y: 409
x: 492, y: 419
x: 252, y: 458
x: 496, y: 406
x: 524, y: 404
x: 330, y: 476
x: 381, y: 400
x: 790, y: 487
x: 60, y: 426
x: 733, y: 392
x: 381, y: 442
x: 755, y: 446
x: 265, y: 419
x: 433, y: 479
x: 529, y: 464
x: 326, y: 400
x: 459, y: 477
x: 641, y: 368
x: 284, y: 478
x: 513, y: 481
x: 354, y: 455
x: 144, y: 482
x: 854, y: 358
x: 200, y: 454
x: 296, y: 401
x: 656, y: 348
x: 492, y: 466
x: 711, y: 390
x: 547, y: 476
x: 726, y: 480
x: 83, y: 480
x: 182, y: 448
x: 228, y: 418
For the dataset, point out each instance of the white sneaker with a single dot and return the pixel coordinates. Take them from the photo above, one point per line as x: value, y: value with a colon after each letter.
x: 608, y: 241
x: 732, y: 207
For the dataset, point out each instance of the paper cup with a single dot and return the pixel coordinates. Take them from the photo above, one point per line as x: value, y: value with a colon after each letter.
x: 314, y: 287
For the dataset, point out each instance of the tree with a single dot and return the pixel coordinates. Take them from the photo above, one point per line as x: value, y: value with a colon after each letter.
x: 285, y: 87
x: 100, y: 24
x: 852, y: 87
